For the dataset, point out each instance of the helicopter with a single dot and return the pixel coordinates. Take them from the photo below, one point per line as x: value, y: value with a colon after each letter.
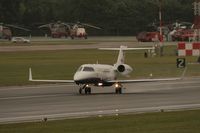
x: 61, y: 29
x: 78, y: 30
x: 5, y: 30
x: 58, y: 29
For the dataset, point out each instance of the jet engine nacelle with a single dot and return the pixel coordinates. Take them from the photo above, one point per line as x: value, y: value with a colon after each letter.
x: 124, y: 69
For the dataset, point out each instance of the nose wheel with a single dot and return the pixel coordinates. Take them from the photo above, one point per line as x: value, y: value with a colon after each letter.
x: 86, y: 89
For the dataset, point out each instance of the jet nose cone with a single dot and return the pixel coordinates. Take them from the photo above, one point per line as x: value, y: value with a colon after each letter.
x: 76, y: 76
x: 131, y: 69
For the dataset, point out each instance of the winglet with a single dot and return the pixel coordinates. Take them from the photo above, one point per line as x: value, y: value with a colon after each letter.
x: 30, y: 75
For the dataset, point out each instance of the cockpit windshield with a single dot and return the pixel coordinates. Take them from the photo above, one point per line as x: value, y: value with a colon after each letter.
x: 79, y: 69
x: 88, y: 69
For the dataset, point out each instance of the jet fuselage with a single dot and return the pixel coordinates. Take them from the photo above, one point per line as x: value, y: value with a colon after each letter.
x: 95, y: 74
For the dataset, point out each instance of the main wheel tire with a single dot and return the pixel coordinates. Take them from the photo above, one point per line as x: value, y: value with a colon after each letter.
x: 118, y: 90
x: 89, y: 90
x: 86, y: 90
x: 80, y: 91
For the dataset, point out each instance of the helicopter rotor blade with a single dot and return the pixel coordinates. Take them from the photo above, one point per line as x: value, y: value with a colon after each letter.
x: 57, y: 23
x: 92, y: 26
x: 67, y: 25
x: 17, y: 27
x: 44, y: 26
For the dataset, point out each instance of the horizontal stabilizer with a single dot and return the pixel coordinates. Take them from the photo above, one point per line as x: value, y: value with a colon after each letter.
x: 126, y: 48
x: 121, y: 57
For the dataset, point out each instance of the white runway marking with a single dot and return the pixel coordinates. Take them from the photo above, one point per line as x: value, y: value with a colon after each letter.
x: 100, y: 113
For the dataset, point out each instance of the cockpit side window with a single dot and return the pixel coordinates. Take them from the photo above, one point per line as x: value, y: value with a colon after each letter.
x: 88, y: 69
x: 79, y: 69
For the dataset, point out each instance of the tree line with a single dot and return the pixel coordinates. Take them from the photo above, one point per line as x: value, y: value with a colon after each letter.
x: 116, y: 17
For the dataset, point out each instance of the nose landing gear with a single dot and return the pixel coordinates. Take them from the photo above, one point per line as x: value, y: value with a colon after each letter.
x: 86, y: 88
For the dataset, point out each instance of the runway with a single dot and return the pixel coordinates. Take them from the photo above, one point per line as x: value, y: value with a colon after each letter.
x: 59, y: 101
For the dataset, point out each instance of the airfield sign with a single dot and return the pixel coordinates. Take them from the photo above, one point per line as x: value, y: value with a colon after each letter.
x: 180, y: 63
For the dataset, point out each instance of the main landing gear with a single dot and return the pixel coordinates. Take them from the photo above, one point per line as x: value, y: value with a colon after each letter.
x: 118, y: 88
x: 86, y: 89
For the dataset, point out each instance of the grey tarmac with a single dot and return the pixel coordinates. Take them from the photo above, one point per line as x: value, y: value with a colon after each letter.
x: 61, y: 101
x: 99, y: 42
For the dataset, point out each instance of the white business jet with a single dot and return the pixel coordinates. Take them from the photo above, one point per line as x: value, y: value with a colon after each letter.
x: 103, y: 75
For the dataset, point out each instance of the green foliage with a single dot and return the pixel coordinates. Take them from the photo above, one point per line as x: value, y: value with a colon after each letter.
x: 116, y: 17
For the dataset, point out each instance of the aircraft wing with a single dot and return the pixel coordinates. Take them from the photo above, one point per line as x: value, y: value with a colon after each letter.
x: 143, y: 80
x: 149, y: 80
x: 50, y: 81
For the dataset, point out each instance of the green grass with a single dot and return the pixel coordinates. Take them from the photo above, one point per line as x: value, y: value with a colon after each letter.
x: 164, y: 122
x: 62, y: 64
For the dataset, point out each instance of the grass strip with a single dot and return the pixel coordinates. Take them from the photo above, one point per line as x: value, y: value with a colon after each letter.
x: 63, y: 64
x: 163, y: 122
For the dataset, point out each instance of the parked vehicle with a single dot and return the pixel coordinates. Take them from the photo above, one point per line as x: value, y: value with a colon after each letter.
x: 183, y: 35
x: 148, y: 36
x: 20, y: 40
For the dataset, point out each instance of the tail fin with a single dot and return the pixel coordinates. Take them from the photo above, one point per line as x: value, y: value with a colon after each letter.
x: 121, y: 56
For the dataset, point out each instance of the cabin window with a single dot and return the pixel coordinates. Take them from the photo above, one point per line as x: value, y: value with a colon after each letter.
x: 88, y: 69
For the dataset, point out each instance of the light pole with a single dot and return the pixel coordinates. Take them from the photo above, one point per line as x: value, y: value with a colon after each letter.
x: 197, y: 18
x: 161, y: 35
x: 160, y: 19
